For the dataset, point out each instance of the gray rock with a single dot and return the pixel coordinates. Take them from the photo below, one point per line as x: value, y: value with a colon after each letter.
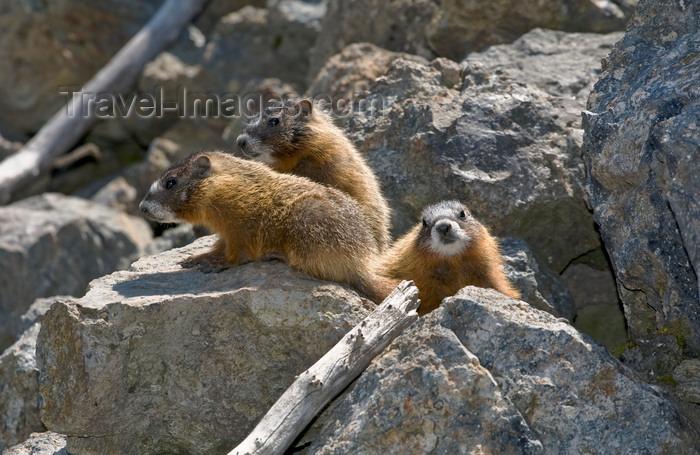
x: 160, y: 359
x: 425, y: 394
x: 19, y: 390
x: 351, y: 72
x: 37, y: 310
x: 548, y: 384
x: 506, y: 147
x: 40, y: 444
x: 453, y: 28
x: 54, y: 244
x: 544, y: 58
x: 641, y: 146
x: 540, y: 287
x: 253, y: 43
x: 283, y: 34
x: 687, y: 377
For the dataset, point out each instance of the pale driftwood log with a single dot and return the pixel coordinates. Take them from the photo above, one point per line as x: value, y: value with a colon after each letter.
x: 69, y: 124
x: 317, y: 386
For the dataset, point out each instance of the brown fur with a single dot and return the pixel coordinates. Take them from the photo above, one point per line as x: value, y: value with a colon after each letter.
x: 437, y: 276
x: 261, y: 214
x: 304, y: 141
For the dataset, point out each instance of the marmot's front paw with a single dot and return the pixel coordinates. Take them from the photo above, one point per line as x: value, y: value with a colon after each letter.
x: 206, y: 263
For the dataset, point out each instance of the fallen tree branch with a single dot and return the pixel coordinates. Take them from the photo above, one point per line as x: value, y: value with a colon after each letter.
x: 69, y: 124
x: 318, y: 385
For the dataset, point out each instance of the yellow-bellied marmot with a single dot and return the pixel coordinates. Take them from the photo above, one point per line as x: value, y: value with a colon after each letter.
x: 259, y: 213
x: 294, y: 137
x: 447, y: 251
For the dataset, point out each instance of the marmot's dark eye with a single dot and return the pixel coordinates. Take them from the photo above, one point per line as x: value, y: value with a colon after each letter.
x: 425, y: 223
x: 274, y: 121
x: 170, y: 183
x: 462, y: 215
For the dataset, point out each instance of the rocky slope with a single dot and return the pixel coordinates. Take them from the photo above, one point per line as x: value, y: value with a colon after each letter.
x: 642, y: 139
x: 177, y: 361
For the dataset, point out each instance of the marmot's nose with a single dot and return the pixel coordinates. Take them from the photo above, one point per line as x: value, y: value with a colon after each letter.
x: 443, y: 228
x: 242, y: 140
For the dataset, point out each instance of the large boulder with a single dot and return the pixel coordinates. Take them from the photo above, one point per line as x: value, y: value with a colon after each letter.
x: 641, y: 154
x: 487, y: 372
x: 490, y: 136
x: 54, y: 244
x: 161, y: 359
x: 453, y: 28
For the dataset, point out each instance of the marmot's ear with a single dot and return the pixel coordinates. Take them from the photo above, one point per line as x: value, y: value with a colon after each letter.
x: 201, y: 165
x: 306, y: 106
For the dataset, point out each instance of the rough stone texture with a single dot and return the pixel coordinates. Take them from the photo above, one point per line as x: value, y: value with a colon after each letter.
x: 48, y: 45
x: 540, y: 287
x: 425, y: 394
x: 19, y: 390
x: 453, y: 28
x: 19, y: 378
x: 161, y: 359
x: 40, y: 444
x: 54, y: 244
x: 544, y: 58
x: 283, y: 34
x: 506, y: 147
x: 687, y: 377
x: 352, y: 71
x: 253, y: 43
x: 641, y: 144
x: 553, y: 386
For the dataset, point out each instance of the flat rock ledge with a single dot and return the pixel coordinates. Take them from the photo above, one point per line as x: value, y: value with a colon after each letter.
x: 161, y: 359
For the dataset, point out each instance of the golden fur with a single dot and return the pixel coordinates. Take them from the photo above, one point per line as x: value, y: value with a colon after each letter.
x: 412, y: 257
x: 261, y: 214
x: 303, y: 140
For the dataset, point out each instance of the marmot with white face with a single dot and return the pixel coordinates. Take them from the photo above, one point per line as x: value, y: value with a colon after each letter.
x: 447, y: 251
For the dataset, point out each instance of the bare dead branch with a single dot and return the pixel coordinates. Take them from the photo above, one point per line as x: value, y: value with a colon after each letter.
x: 318, y: 385
x: 69, y: 124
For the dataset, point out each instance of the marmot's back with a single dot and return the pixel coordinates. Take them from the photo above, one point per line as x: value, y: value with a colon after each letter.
x: 294, y: 137
x: 260, y: 214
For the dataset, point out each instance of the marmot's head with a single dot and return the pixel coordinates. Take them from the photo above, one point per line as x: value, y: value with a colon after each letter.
x: 448, y: 228
x: 277, y: 132
x: 170, y: 198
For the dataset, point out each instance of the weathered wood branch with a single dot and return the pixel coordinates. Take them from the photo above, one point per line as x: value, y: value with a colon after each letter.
x: 69, y: 124
x: 318, y: 385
